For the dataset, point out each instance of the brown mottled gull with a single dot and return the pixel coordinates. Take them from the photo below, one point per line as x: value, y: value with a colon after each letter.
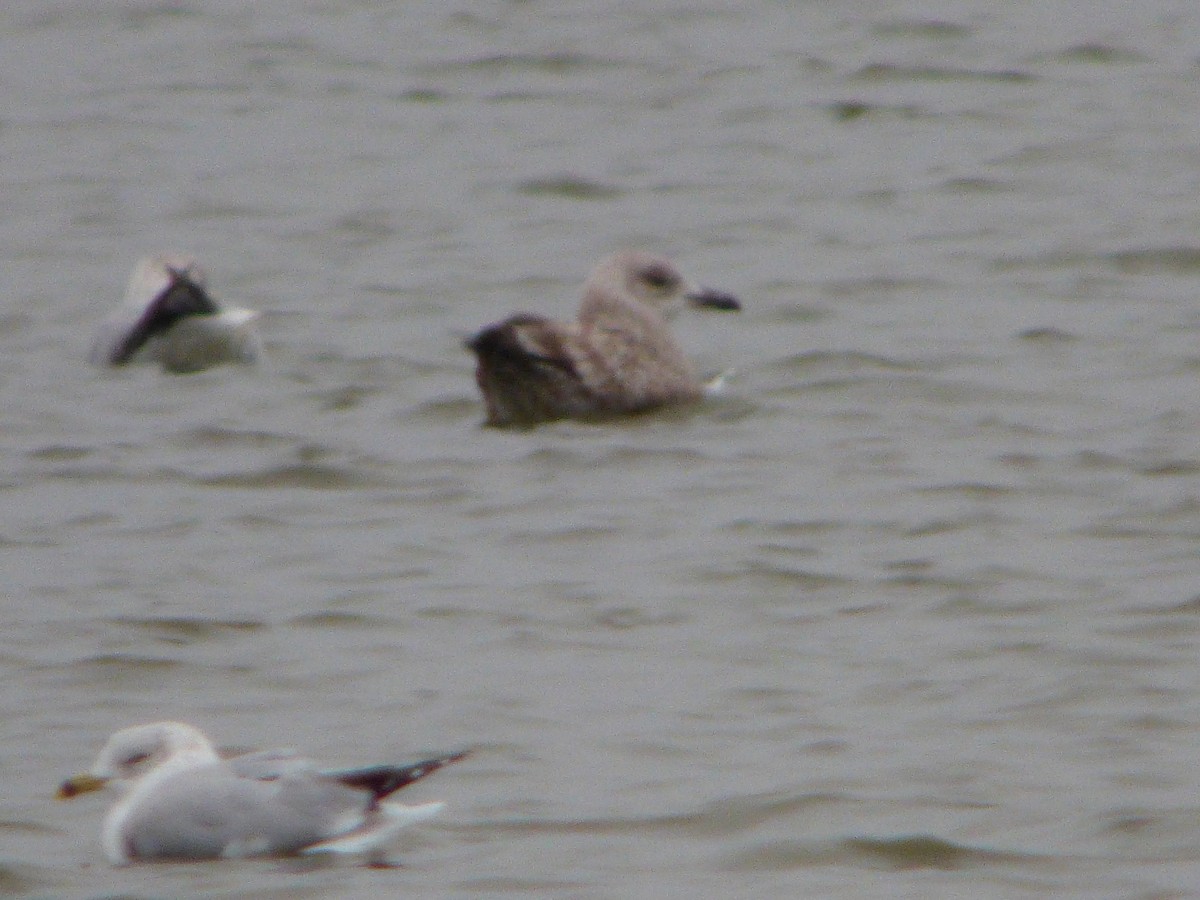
x: 618, y: 357
x: 181, y: 800
x: 168, y: 317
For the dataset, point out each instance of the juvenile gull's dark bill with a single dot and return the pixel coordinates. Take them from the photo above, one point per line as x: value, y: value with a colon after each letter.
x: 618, y: 357
x: 169, y: 317
x: 180, y: 800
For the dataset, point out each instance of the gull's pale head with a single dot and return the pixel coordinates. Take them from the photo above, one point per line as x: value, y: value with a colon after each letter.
x: 656, y: 282
x: 132, y: 752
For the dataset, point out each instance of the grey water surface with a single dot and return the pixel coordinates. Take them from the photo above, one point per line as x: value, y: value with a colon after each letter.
x: 912, y: 609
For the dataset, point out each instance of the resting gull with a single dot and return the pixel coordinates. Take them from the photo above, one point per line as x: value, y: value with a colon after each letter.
x: 180, y: 800
x: 168, y: 317
x: 618, y: 357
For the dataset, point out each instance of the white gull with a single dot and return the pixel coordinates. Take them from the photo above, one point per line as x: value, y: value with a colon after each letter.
x: 181, y: 800
x: 169, y: 317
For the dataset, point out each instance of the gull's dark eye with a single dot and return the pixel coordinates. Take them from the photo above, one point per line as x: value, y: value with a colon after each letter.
x: 658, y: 277
x: 136, y: 759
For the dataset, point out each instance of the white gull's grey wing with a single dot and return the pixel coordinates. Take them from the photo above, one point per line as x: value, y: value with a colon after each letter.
x: 266, y: 765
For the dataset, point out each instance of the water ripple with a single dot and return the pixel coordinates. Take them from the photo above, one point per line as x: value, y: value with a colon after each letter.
x: 311, y: 476
x: 719, y: 818
x: 187, y: 630
x: 900, y: 853
x: 1181, y: 260
x: 568, y: 187
x: 894, y: 72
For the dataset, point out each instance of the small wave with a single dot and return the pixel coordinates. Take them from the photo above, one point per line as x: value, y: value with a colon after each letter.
x: 1097, y: 54
x: 336, y: 619
x: 763, y: 575
x: 922, y: 28
x: 314, y: 476
x: 568, y: 187
x: 60, y: 453
x: 185, y: 630
x: 1046, y: 335
x: 627, y: 618
x: 107, y: 665
x: 901, y: 853
x: 893, y: 72
x: 976, y: 185
x: 448, y: 409
x: 721, y: 817
x: 974, y: 490
x: 496, y: 63
x: 853, y: 110
x: 221, y: 438
x: 843, y: 362
x: 1171, y: 468
x: 423, y: 95
x: 1151, y: 260
x: 111, y: 668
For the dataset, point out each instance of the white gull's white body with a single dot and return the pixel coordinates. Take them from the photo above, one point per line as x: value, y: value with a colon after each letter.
x: 169, y: 318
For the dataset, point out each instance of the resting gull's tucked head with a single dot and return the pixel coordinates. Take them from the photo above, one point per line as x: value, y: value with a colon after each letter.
x: 618, y: 357
x: 169, y: 317
x: 181, y: 800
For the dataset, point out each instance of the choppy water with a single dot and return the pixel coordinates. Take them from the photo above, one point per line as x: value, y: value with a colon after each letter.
x: 912, y: 610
